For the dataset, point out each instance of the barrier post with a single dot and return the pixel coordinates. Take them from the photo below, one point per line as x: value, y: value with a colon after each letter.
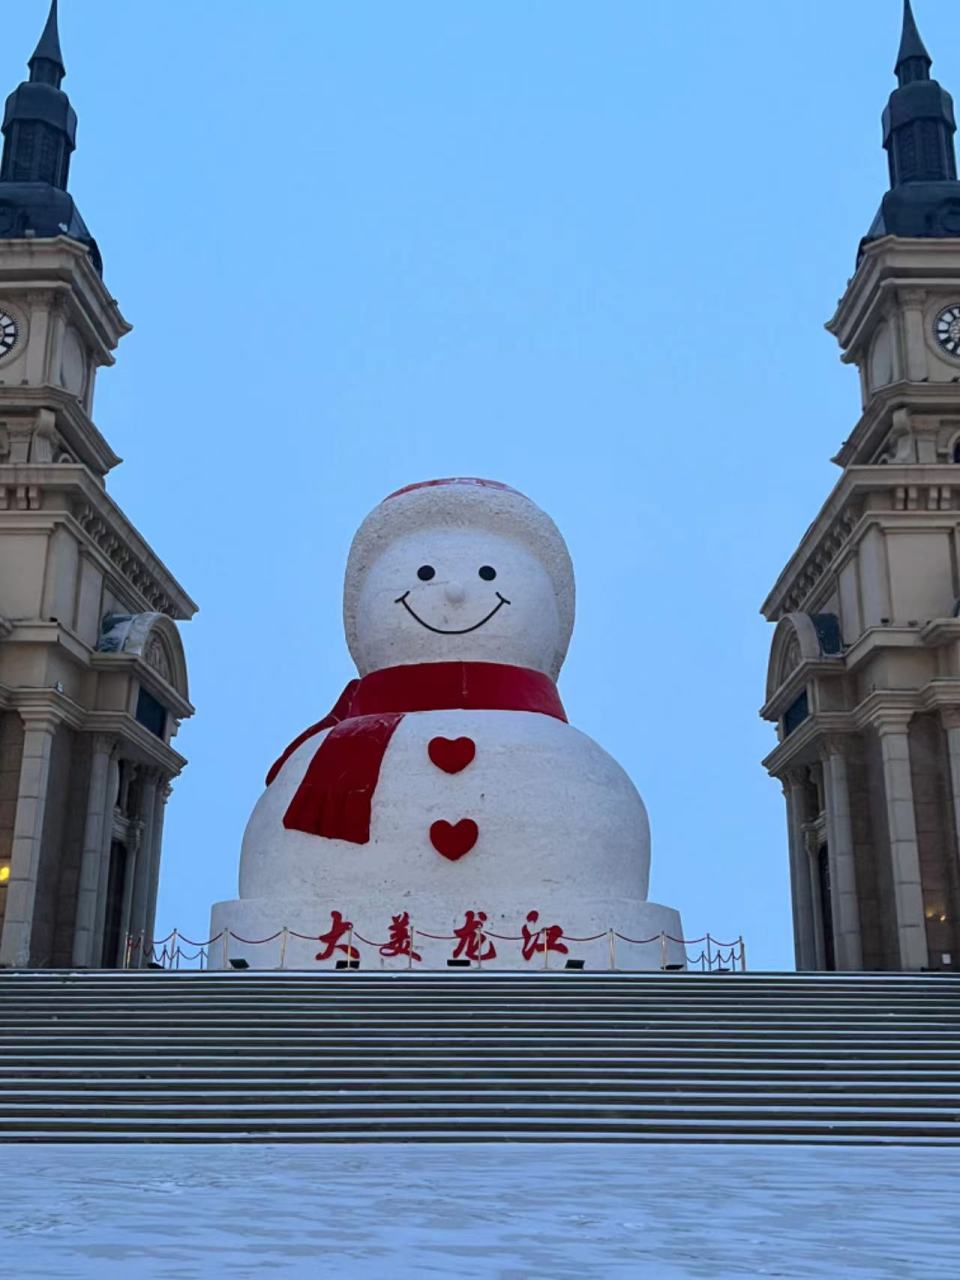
x: 350, y: 948
x: 612, y: 940
x: 174, y: 951
x: 480, y: 950
x: 709, y: 954
x: 225, y: 935
x: 743, y: 954
x: 413, y: 937
x: 663, y: 951
x: 126, y: 953
x: 283, y: 946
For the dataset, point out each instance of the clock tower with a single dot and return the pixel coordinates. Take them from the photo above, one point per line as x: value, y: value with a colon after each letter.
x: 863, y: 683
x: 92, y: 674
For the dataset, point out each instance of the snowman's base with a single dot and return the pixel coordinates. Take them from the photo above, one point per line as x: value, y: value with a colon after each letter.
x: 263, y: 932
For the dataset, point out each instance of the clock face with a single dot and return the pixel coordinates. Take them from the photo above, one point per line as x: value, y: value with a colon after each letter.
x: 8, y: 333
x: 947, y: 328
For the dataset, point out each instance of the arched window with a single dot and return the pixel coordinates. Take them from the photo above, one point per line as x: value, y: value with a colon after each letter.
x: 956, y: 450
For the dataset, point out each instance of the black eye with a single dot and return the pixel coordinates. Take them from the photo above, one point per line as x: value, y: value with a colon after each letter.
x: 426, y: 572
x: 487, y: 573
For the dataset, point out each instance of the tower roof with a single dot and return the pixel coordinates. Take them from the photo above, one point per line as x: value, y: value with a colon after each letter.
x: 918, y: 129
x: 912, y: 48
x: 48, y: 48
x: 39, y: 136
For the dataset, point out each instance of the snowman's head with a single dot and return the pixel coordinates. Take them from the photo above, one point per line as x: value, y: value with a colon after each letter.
x: 458, y: 571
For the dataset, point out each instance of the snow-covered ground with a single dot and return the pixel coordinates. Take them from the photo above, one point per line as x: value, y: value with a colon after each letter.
x: 499, y: 1211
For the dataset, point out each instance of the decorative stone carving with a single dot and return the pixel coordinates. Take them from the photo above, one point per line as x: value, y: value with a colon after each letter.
x: 125, y: 562
x: 153, y: 638
x: 155, y: 655
x: 822, y: 557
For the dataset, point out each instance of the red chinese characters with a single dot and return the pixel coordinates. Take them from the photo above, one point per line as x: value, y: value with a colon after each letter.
x: 471, y: 938
x: 544, y: 940
x: 331, y: 939
x: 400, y: 942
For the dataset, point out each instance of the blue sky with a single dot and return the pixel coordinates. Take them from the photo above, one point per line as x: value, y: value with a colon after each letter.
x: 587, y: 249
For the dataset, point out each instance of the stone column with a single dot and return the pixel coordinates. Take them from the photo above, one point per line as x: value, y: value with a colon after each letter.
x: 153, y: 881
x: 101, y: 748
x: 39, y: 729
x: 950, y: 716
x: 902, y: 828
x: 141, y: 880
x: 843, y: 870
x: 914, y: 345
x: 134, y: 858
x: 103, y: 881
x: 811, y: 848
x: 804, y: 924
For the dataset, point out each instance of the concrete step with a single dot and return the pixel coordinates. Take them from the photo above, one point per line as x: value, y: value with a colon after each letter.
x: 250, y: 1056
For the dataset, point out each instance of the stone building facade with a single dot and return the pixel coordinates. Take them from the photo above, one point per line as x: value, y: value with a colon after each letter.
x: 864, y: 675
x: 93, y: 680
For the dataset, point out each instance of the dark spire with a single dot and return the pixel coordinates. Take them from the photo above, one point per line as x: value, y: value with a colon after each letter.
x: 46, y: 65
x: 918, y: 129
x: 39, y: 135
x: 913, y: 61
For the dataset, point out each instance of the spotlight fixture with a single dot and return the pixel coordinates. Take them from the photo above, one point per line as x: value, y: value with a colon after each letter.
x: 238, y: 962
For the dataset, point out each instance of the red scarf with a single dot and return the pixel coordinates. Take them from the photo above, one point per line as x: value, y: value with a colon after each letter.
x: 336, y: 793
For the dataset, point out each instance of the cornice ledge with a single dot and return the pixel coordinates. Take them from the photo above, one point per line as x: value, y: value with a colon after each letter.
x: 122, y: 725
x: 940, y: 631
x: 887, y: 710
x: 49, y: 704
x: 151, y: 679
x: 795, y: 683
x: 940, y: 694
x: 855, y: 481
x: 877, y: 417
x: 802, y: 746
x: 882, y: 637
x: 59, y: 258
x: 79, y: 483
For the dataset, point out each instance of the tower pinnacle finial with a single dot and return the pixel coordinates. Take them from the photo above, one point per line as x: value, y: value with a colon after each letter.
x: 913, y: 61
x: 46, y: 63
x: 918, y: 128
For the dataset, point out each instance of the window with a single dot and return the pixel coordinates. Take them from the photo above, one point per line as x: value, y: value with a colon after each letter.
x: 795, y: 714
x: 151, y: 713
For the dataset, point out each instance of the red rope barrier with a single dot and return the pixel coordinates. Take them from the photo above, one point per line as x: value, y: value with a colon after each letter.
x: 568, y: 937
x: 437, y: 937
x: 254, y: 942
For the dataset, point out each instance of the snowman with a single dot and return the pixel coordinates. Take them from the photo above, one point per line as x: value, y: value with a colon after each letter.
x: 445, y: 812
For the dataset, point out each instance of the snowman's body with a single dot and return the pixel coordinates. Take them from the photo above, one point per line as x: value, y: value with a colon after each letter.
x: 537, y: 817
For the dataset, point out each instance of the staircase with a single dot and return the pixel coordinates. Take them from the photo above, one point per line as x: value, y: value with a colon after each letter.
x: 466, y: 1057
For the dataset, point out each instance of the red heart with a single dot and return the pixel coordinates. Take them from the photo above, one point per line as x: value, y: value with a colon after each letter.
x: 451, y: 754
x: 454, y: 841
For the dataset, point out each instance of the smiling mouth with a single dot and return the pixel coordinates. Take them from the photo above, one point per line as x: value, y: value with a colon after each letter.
x: 462, y: 631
